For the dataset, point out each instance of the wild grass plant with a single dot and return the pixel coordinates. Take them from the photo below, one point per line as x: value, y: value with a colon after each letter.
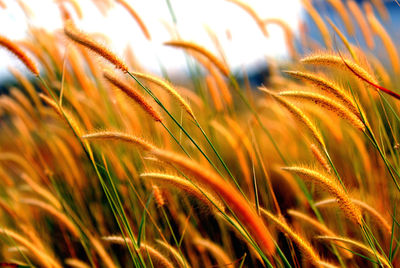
x: 105, y: 164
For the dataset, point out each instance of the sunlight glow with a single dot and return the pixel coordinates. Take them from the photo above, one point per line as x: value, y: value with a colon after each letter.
x: 243, y: 47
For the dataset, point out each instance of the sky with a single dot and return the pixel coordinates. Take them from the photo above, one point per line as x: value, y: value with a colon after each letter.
x: 245, y: 47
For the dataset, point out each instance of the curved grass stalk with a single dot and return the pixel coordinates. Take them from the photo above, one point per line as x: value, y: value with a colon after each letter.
x: 117, y: 211
x: 153, y: 253
x: 328, y: 104
x: 358, y: 245
x: 298, y: 114
x: 373, y: 212
x: 190, y: 138
x: 352, y: 211
x: 186, y: 186
x: 41, y: 256
x: 222, y: 258
x: 304, y: 246
x: 177, y: 255
x: 320, y: 227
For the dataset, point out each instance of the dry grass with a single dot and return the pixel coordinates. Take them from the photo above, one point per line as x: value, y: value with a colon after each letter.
x: 203, y: 171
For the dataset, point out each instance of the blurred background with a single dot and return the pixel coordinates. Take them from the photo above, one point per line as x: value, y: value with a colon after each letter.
x: 236, y: 31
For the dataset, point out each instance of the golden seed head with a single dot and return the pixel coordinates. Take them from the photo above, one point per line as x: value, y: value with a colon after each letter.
x: 339, y: 62
x: 22, y: 56
x: 158, y: 196
x: 119, y: 136
x: 320, y: 158
x: 85, y: 40
x: 328, y: 104
x: 328, y: 184
x: 169, y: 88
x: 136, y: 16
x: 133, y: 94
x: 298, y: 114
x: 324, y: 84
x: 197, y: 48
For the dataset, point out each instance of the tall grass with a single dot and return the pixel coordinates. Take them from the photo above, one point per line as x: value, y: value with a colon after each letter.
x: 125, y: 168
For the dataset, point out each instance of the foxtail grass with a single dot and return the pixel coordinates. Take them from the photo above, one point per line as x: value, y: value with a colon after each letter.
x: 298, y: 114
x: 87, y: 41
x: 157, y: 257
x: 21, y: 55
x: 365, y: 207
x: 197, y: 48
x: 328, y: 104
x: 381, y: 260
x: 328, y: 184
x: 136, y: 16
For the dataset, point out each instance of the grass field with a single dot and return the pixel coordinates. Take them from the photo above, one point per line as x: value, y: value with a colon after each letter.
x: 105, y: 164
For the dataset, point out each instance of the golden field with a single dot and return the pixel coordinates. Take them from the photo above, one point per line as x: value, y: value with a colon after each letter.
x: 105, y: 164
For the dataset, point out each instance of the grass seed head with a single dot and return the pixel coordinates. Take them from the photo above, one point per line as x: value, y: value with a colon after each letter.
x: 85, y: 40
x: 21, y: 55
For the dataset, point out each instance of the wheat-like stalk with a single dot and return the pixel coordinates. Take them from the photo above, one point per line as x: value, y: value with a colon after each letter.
x: 10, y: 105
x: 174, y: 252
x: 186, y: 186
x: 22, y: 162
x: 36, y: 187
x: 320, y: 158
x: 158, y: 196
x: 327, y: 264
x: 344, y: 39
x: 133, y: 94
x: 55, y: 212
x: 328, y: 104
x: 318, y: 21
x: 320, y: 227
x: 65, y: 12
x: 380, y: 7
x: 328, y: 184
x: 155, y: 255
x: 360, y: 19
x: 136, y: 16
x: 341, y: 10
x: 303, y: 245
x: 327, y: 86
x: 246, y: 7
x: 289, y: 36
x: 298, y: 114
x: 119, y: 136
x: 101, y: 251
x: 85, y: 40
x: 64, y: 115
x: 203, y: 51
x: 21, y: 55
x: 221, y: 256
x: 41, y: 256
x: 235, y: 144
x: 76, y: 263
x: 241, y: 134
x: 79, y: 160
x: 212, y: 87
x: 367, y: 208
x: 167, y: 87
x: 28, y: 86
x: 22, y: 100
x: 219, y: 79
x: 228, y: 193
x: 339, y: 62
x: 358, y: 245
x: 387, y: 41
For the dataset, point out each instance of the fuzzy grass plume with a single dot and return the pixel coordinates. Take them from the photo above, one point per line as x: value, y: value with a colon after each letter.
x: 21, y: 55
x: 203, y: 187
